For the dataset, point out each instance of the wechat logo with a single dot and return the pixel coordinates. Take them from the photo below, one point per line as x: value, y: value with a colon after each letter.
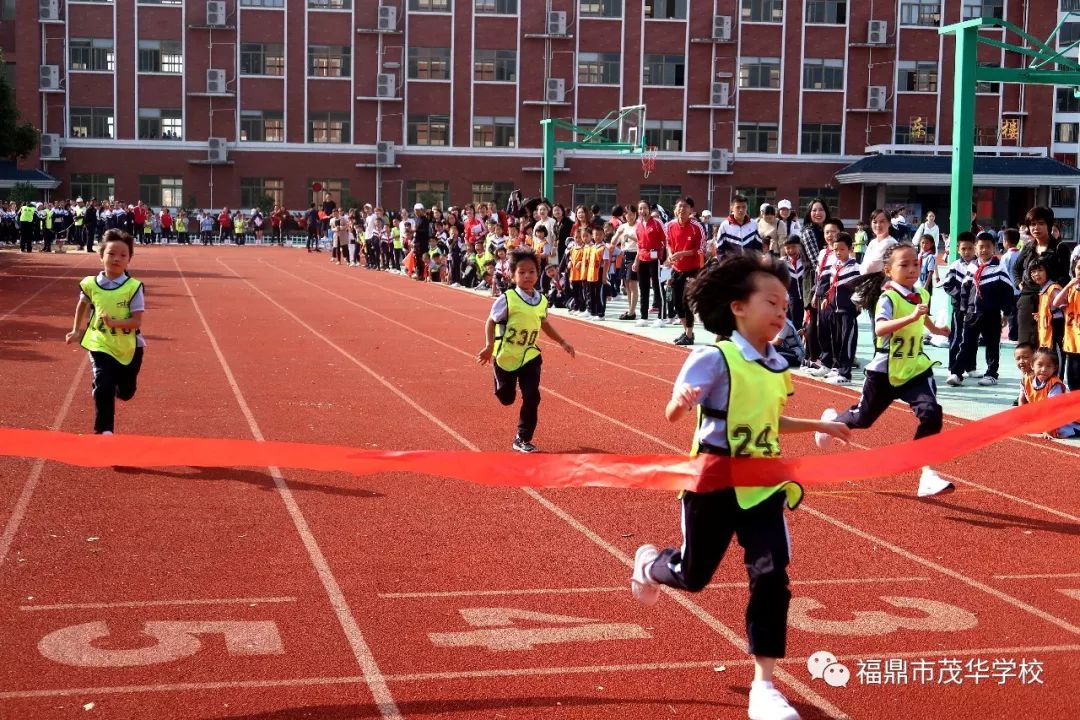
x: 822, y: 665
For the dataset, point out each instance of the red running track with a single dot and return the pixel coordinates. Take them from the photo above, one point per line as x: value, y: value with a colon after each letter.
x: 188, y: 593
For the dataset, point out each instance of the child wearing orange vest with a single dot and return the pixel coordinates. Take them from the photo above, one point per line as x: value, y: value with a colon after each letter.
x: 597, y: 271
x: 1068, y: 300
x: 1049, y: 320
x: 1042, y: 384
x: 577, y: 273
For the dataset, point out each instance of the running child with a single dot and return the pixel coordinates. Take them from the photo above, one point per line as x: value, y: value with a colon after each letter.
x: 1068, y: 300
x: 511, y: 331
x: 738, y: 388
x: 107, y: 322
x: 1042, y: 384
x: 899, y: 370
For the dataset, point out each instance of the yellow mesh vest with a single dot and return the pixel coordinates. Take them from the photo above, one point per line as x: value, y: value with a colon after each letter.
x: 99, y: 338
x: 906, y: 357
x: 516, y: 344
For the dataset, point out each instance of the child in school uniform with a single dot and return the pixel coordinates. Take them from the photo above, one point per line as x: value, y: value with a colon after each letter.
x: 738, y: 388
x: 1068, y: 301
x: 989, y: 296
x: 795, y: 267
x: 1049, y: 320
x: 837, y: 322
x: 957, y: 286
x: 899, y: 370
x: 1010, y: 237
x: 107, y: 323
x: 1042, y: 384
x: 513, y: 326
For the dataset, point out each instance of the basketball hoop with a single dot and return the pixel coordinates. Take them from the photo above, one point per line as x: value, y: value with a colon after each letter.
x: 648, y: 160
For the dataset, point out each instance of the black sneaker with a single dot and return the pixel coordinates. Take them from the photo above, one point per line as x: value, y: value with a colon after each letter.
x: 684, y: 340
x: 679, y: 340
x: 523, y: 446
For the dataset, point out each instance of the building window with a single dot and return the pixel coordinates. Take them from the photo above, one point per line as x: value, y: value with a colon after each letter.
x: 262, y: 126
x: 1068, y: 34
x: 609, y: 133
x: 161, y: 191
x: 428, y: 130
x: 1059, y: 196
x: 1069, y: 5
x: 921, y: 12
x: 972, y: 9
x: 606, y: 196
x: 255, y: 191
x: 160, y: 56
x: 93, y: 186
x: 160, y: 124
x: 665, y: 195
x: 767, y: 11
x: 756, y: 196
x: 262, y: 59
x: 757, y: 137
x: 917, y: 76
x: 91, y: 122
x: 429, y: 63
x: 665, y: 9
x: 429, y: 5
x: 826, y: 12
x: 433, y: 193
x: 337, y: 188
x: 263, y: 3
x: 666, y: 70
x: 329, y: 61
x: 1068, y: 229
x: 823, y: 74
x: 986, y: 135
x: 915, y: 133
x: 1067, y: 102
x: 494, y: 132
x: 821, y: 138
x: 497, y: 7
x: 807, y: 195
x: 1067, y: 132
x: 598, y: 68
x: 90, y: 54
x: 328, y: 5
x: 328, y: 127
x: 759, y: 72
x: 600, y: 8
x: 492, y: 192
x: 495, y: 65
x: 664, y: 134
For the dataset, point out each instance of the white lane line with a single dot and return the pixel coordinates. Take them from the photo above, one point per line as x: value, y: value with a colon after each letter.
x: 622, y: 588
x: 40, y: 290
x: 158, y: 603
x: 364, y: 657
x: 1038, y: 576
x: 801, y: 688
x: 19, y: 511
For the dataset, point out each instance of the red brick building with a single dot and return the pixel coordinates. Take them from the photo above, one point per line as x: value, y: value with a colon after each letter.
x: 206, y: 104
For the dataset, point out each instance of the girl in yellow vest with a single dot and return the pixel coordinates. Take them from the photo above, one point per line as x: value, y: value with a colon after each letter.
x: 899, y: 370
x: 511, y: 332
x: 738, y: 388
x: 1042, y: 384
x: 1068, y: 300
x: 107, y: 322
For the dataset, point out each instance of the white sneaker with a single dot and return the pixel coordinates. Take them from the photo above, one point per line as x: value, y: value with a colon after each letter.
x: 838, y: 379
x: 824, y: 440
x: 954, y: 381
x: 646, y: 590
x: 106, y: 432
x: 987, y: 381
x: 597, y: 318
x: 930, y: 483
x: 642, y: 323
x: 659, y: 323
x: 820, y: 372
x: 766, y: 703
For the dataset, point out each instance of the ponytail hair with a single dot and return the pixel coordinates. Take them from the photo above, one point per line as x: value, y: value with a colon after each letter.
x: 870, y: 286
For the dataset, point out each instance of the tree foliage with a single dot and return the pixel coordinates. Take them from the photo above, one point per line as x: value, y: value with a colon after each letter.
x: 16, y: 140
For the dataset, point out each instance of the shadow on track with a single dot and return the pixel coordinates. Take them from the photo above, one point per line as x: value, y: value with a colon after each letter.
x: 261, y: 480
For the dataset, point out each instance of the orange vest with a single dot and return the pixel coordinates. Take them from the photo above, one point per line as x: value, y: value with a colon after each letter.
x: 577, y: 264
x: 1072, y: 321
x: 596, y: 263
x: 1033, y: 394
x: 1046, y: 330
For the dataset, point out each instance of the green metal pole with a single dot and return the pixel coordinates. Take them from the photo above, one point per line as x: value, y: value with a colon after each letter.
x: 963, y: 134
x: 547, y: 188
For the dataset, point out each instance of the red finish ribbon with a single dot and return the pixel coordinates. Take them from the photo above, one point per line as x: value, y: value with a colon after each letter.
x: 656, y: 472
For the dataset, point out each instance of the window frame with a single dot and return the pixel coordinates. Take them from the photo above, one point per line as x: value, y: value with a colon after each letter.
x: 670, y: 131
x: 491, y: 191
x: 920, y: 13
x: 676, y: 63
x: 498, y: 61
x: 91, y: 185
x: 97, y: 117
x: 764, y: 8
x: 827, y: 68
x: 597, y: 65
x: 600, y: 9
x: 254, y: 189
x: 433, y: 124
x: 920, y: 75
x: 431, y: 6
x: 433, y: 56
x: 425, y: 190
x: 671, y: 9
x: 162, y: 190
x: 96, y: 50
x: 153, y: 54
x: 263, y: 55
x: 325, y: 54
x: 772, y: 137
x: 498, y: 7
x: 606, y: 195
x: 821, y: 134
x: 836, y: 9
x: 494, y: 131
x: 174, y: 116
x: 754, y: 67
x: 334, y: 124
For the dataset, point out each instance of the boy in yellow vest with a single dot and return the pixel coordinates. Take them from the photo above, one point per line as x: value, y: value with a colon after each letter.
x: 512, y: 329
x: 107, y: 322
x: 738, y: 388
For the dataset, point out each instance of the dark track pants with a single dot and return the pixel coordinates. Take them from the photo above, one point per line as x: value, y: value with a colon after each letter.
x: 920, y: 393
x: 987, y: 327
x: 528, y: 378
x: 112, y: 380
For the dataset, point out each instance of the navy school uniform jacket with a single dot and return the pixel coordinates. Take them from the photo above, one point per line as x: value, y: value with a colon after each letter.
x: 795, y: 280
x: 957, y: 285
x: 994, y: 292
x: 848, y: 271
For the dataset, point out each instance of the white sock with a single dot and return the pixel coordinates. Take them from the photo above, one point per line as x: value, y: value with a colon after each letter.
x: 761, y: 685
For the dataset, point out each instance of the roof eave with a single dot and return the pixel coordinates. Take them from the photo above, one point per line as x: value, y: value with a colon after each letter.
x: 943, y: 179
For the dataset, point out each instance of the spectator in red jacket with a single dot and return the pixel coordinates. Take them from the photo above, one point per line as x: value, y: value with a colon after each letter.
x: 686, y: 242
x: 226, y: 224
x: 650, y: 242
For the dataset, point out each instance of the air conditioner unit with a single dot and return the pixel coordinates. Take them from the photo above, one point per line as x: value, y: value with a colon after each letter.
x: 49, y: 77
x: 556, y: 90
x: 387, y: 18
x: 384, y: 153
x: 718, y: 160
x: 218, y: 150
x: 876, y: 97
x: 721, y: 27
x: 215, y: 13
x: 386, y: 85
x: 49, y: 9
x: 50, y: 146
x: 556, y: 24
x: 215, y: 82
x: 877, y: 32
x: 721, y: 93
